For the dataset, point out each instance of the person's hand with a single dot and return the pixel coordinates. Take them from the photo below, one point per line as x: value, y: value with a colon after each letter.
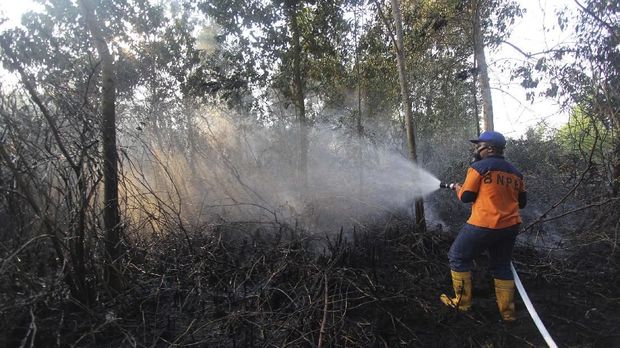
x: 457, y: 187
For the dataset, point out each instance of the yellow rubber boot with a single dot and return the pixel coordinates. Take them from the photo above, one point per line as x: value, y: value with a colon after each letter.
x: 461, y: 281
x: 505, y: 292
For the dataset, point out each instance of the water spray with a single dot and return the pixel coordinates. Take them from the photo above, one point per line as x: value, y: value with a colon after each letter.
x: 450, y: 186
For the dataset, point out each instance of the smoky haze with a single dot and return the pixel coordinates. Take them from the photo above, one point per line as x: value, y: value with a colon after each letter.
x: 237, y: 172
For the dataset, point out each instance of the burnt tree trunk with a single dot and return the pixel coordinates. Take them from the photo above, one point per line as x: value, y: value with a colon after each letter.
x: 111, y: 215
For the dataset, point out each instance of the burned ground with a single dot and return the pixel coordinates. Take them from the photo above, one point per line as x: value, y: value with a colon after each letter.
x: 362, y: 288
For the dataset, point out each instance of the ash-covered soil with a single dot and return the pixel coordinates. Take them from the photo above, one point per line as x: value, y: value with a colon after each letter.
x: 376, y: 287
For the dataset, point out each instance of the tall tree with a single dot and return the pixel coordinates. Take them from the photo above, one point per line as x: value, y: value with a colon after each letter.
x: 288, y: 48
x: 75, y: 112
x: 406, y: 103
x: 111, y: 216
x: 481, y: 63
x: 299, y: 99
x: 489, y: 26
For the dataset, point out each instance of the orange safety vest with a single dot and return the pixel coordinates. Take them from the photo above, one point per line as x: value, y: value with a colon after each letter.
x: 497, y: 185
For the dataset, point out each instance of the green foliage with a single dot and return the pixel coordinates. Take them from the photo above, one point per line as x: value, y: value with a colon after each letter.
x: 497, y: 18
x: 594, y: 67
x: 584, y: 74
x: 584, y: 134
x: 587, y: 138
x: 261, y: 34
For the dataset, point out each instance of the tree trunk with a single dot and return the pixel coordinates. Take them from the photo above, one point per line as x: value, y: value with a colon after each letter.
x: 483, y: 74
x: 615, y: 181
x: 359, y: 120
x: 474, y: 93
x: 614, y: 116
x: 299, y: 98
x: 406, y: 101
x: 111, y: 216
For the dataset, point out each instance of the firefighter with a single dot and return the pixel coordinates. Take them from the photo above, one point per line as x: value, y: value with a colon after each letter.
x: 496, y: 189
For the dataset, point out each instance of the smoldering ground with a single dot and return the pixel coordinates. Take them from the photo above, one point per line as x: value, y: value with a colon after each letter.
x: 236, y: 172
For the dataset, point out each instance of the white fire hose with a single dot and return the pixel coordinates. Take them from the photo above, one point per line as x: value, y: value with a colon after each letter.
x: 530, y: 308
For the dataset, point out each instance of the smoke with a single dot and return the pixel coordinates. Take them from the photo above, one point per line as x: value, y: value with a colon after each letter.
x: 238, y: 172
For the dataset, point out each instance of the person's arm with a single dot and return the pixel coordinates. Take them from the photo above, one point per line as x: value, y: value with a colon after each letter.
x: 468, y: 192
x: 468, y: 197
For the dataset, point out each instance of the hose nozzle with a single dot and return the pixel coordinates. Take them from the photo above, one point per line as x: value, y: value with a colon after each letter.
x: 450, y: 186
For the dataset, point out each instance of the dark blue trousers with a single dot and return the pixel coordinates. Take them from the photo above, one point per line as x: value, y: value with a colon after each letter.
x: 473, y: 240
